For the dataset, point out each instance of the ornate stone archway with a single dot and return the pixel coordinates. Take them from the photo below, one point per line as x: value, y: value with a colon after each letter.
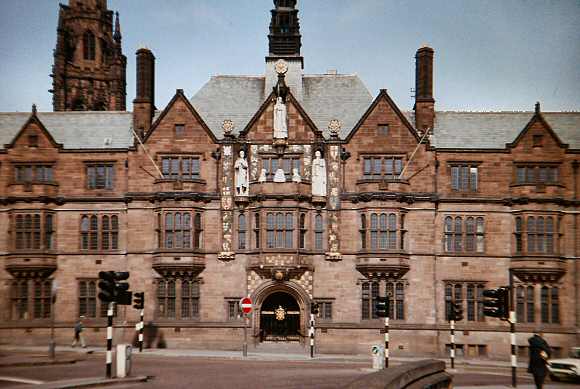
x: 291, y: 288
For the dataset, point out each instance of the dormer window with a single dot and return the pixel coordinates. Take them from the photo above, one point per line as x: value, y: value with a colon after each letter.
x: 383, y: 129
x: 33, y: 140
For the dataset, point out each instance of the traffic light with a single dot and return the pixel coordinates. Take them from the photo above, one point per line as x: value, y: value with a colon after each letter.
x: 382, y: 306
x: 107, y: 286
x: 314, y: 308
x: 497, y: 302
x: 139, y: 300
x: 123, y: 296
x: 455, y: 311
x: 112, y: 290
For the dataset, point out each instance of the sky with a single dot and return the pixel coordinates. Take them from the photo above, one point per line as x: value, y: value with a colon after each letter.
x: 490, y: 55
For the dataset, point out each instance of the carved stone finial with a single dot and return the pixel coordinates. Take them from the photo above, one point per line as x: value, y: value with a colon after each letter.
x: 34, y: 109
x: 537, y: 107
x: 334, y: 127
x: 228, y: 127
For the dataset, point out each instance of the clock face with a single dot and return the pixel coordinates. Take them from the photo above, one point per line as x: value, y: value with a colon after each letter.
x: 281, y: 66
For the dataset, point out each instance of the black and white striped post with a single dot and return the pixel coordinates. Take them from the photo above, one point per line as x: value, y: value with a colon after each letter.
x: 452, y: 350
x: 514, y: 358
x: 311, y: 335
x: 141, y: 331
x: 512, y: 320
x: 110, y: 339
x: 386, y: 342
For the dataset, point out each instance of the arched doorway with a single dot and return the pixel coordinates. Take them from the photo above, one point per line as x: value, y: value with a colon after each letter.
x: 280, y: 318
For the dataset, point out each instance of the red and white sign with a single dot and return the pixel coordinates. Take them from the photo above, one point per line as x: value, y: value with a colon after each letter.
x: 246, y: 305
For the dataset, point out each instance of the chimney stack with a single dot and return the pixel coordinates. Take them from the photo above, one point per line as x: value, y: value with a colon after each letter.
x: 144, y: 103
x: 424, y: 102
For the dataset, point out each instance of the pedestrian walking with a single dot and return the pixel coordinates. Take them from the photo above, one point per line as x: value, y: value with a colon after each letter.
x: 539, y: 354
x: 79, y: 333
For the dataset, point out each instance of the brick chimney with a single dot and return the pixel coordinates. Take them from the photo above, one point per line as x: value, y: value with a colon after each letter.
x: 424, y: 102
x: 144, y: 103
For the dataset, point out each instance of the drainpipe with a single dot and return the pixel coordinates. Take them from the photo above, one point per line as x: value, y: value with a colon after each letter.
x: 435, y: 248
x: 575, y: 166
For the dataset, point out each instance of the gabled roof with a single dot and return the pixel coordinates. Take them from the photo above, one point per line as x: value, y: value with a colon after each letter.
x: 325, y: 97
x: 493, y: 130
x: 383, y: 95
x: 159, y: 116
x: 33, y: 118
x: 537, y: 117
x: 75, y: 130
x: 290, y: 99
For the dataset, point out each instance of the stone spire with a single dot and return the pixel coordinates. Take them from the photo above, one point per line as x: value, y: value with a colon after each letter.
x: 117, y: 34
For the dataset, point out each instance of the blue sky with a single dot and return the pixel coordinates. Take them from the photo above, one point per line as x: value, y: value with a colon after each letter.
x: 489, y: 54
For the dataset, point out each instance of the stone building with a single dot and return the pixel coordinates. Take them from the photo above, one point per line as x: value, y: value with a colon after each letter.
x: 290, y: 188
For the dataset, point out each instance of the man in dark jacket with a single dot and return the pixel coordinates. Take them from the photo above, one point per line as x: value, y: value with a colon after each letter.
x: 539, y: 354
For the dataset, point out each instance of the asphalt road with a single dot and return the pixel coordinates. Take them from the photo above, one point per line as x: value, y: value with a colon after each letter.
x: 195, y: 372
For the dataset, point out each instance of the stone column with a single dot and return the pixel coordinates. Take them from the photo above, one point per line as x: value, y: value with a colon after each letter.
x: 227, y: 210
x: 333, y: 166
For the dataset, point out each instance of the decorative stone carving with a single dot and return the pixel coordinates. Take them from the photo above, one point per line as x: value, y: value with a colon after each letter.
x: 242, y: 180
x: 228, y: 127
x: 262, y: 177
x: 280, y: 120
x: 254, y: 162
x: 334, y: 128
x: 318, y: 175
x: 296, y: 176
x: 280, y: 176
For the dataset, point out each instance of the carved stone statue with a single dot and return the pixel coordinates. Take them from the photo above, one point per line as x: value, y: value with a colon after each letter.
x: 280, y: 176
x: 262, y: 177
x: 280, y: 120
x: 296, y: 176
x: 318, y: 175
x: 242, y: 180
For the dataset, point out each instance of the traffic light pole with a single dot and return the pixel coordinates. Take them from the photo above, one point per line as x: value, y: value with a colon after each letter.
x: 452, y: 350
x: 512, y: 320
x: 245, y: 345
x: 386, y: 342
x: 311, y: 334
x: 110, y: 339
x: 141, y: 331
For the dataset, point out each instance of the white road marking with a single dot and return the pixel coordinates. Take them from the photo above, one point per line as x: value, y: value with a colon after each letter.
x: 22, y: 380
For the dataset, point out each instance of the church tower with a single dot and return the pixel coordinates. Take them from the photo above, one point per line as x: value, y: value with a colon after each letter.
x: 284, y: 42
x: 89, y: 71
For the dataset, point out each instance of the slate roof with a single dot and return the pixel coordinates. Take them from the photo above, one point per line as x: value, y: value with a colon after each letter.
x: 458, y: 130
x: 326, y: 97
x: 492, y: 130
x: 75, y: 130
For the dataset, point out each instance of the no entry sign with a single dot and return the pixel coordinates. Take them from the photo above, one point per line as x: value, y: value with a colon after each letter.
x: 246, y: 305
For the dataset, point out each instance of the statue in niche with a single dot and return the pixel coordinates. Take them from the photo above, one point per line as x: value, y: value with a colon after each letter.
x: 241, y: 168
x: 280, y: 119
x: 262, y: 177
x: 296, y: 176
x: 318, y: 175
x: 280, y: 176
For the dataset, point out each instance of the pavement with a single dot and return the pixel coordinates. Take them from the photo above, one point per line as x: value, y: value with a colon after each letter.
x: 11, y: 355
x: 67, y: 354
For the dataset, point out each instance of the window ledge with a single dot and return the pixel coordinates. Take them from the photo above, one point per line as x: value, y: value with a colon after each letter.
x: 536, y: 184
x: 193, y: 180
x: 379, y: 180
x: 51, y: 183
x: 464, y: 253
